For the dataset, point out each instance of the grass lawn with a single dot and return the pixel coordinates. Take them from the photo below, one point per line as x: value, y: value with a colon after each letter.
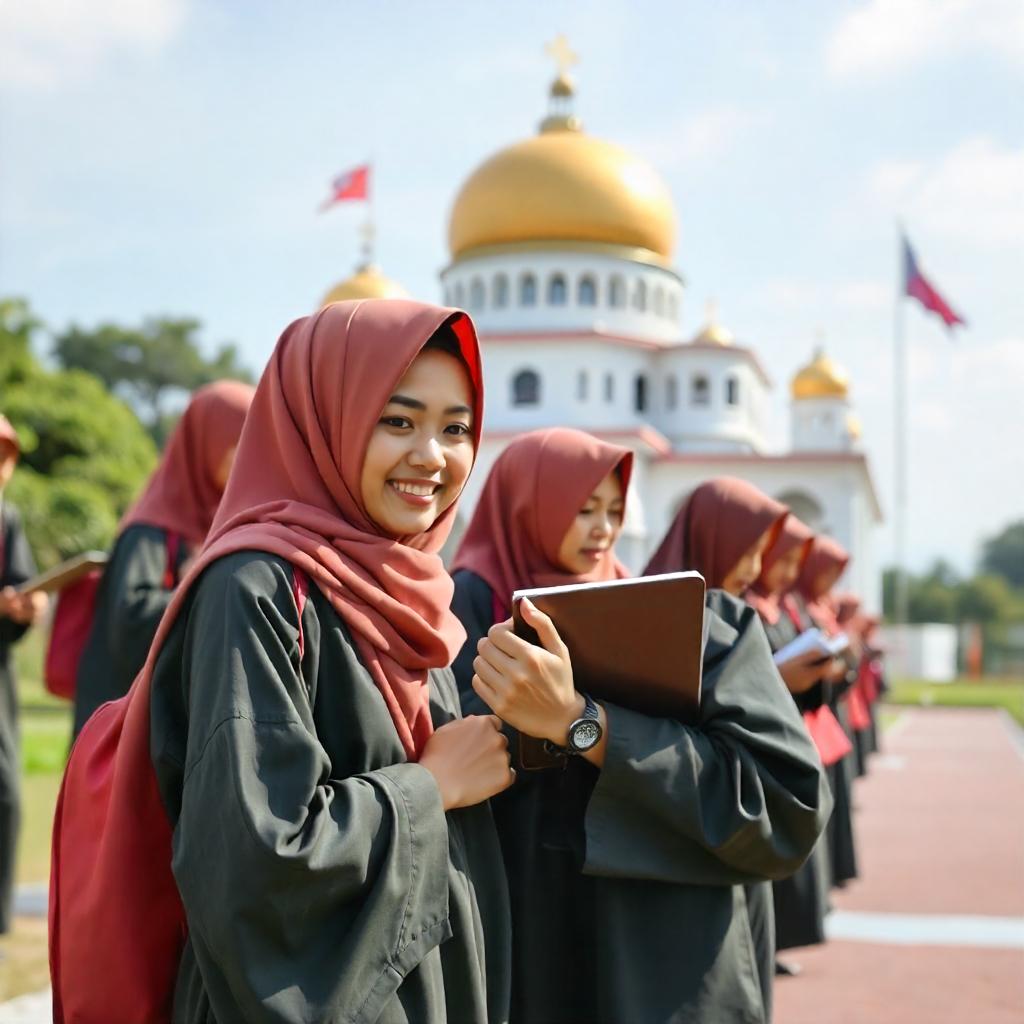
x: 966, y: 693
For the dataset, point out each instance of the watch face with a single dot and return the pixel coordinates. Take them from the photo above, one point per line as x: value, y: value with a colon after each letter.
x: 584, y: 734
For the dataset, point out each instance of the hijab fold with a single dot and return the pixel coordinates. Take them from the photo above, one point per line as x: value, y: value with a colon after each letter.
x: 826, y: 553
x: 534, y: 491
x: 720, y: 521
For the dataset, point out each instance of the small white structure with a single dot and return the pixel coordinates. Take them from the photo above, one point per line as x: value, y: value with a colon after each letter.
x: 926, y: 651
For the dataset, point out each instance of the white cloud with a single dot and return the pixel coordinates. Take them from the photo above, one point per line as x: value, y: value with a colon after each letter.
x: 793, y: 295
x: 45, y: 42
x: 974, y: 193
x: 696, y: 139
x: 891, y: 35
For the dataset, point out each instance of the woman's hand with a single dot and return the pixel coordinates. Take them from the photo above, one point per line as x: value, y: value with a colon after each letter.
x: 527, y: 686
x: 469, y: 760
x: 24, y: 609
x: 802, y: 672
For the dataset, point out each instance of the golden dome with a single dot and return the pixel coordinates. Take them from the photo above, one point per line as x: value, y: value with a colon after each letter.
x: 366, y: 283
x: 564, y: 186
x: 713, y: 333
x: 820, y: 378
x: 854, y: 428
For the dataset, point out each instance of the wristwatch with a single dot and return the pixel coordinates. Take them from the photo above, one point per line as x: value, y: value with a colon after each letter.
x: 584, y: 734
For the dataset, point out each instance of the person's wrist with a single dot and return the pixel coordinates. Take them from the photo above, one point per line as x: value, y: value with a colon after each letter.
x: 559, y: 735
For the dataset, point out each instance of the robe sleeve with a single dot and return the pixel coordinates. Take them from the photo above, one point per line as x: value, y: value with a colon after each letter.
x: 19, y: 565
x: 472, y: 603
x: 308, y: 897
x: 741, y: 797
x: 138, y: 595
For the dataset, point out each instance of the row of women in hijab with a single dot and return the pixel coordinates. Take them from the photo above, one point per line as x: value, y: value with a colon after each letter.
x: 314, y: 755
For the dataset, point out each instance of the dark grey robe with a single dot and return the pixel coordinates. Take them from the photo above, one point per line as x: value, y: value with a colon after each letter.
x: 321, y: 878
x: 627, y: 883
x: 16, y: 566
x: 130, y: 602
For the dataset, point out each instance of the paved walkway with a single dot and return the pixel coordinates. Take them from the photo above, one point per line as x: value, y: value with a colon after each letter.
x: 933, y: 932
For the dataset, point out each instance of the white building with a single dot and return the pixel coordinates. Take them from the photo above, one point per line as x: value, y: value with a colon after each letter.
x: 561, y: 248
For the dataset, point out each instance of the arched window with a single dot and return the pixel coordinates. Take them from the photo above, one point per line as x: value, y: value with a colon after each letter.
x: 671, y: 392
x: 476, y: 294
x: 640, y: 393
x: 556, y: 290
x: 527, y: 290
x: 609, y: 388
x: 500, y: 291
x: 732, y: 390
x: 526, y: 388
x: 640, y: 295
x: 582, y: 385
x: 700, y: 390
x: 616, y: 291
x: 658, y: 301
x: 672, y: 307
x: 459, y: 295
x: 586, y: 292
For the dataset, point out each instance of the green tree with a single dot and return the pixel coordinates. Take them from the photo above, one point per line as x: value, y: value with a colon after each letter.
x: 85, y: 455
x: 986, y: 599
x: 1003, y: 554
x: 148, y: 363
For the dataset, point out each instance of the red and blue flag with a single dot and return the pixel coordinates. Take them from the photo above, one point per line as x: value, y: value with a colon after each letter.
x: 917, y: 286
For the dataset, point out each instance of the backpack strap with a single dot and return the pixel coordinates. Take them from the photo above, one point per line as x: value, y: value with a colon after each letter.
x: 300, y: 588
x: 171, y: 568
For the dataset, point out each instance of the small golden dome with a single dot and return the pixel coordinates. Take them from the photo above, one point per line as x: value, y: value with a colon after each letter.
x: 820, y: 378
x: 713, y: 333
x: 564, y: 186
x: 854, y: 428
x: 366, y: 283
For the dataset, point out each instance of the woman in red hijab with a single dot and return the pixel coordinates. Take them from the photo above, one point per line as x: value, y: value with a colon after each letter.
x: 727, y: 530
x: 623, y: 860
x: 332, y: 845
x: 165, y: 526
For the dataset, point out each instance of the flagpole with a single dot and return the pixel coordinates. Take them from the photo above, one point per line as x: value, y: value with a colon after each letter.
x: 900, y: 432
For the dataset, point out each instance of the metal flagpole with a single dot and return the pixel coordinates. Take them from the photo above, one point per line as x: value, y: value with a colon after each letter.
x: 900, y: 430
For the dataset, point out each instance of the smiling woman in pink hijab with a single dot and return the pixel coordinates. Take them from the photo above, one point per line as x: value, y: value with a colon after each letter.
x: 623, y: 860
x: 160, y: 531
x: 293, y: 749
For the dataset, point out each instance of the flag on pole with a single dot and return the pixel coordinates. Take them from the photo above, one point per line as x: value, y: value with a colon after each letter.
x: 917, y: 286
x: 352, y: 184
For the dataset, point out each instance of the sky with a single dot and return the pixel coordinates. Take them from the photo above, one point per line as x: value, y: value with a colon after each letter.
x: 167, y: 157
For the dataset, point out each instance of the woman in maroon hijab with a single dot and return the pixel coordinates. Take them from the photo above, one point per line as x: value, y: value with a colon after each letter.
x: 165, y: 526
x: 322, y: 798
x: 623, y: 860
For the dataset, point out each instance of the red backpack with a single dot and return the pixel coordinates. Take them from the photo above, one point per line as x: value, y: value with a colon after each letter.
x: 72, y: 623
x: 116, y: 923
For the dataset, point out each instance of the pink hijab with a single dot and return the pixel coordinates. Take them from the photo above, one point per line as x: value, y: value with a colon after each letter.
x: 535, y: 488
x: 792, y: 535
x: 182, y: 494
x: 721, y: 520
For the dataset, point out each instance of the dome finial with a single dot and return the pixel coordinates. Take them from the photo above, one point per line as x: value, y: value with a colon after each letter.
x: 368, y: 234
x: 711, y: 311
x: 560, y: 116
